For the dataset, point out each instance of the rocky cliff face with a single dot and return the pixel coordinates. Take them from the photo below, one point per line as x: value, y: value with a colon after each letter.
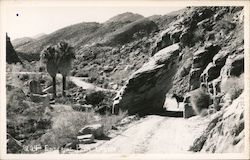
x: 225, y: 132
x: 204, y: 45
x: 145, y: 91
x: 210, y: 48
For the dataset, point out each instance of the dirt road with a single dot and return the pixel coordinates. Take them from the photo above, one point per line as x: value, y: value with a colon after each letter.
x: 85, y: 85
x: 78, y: 81
x: 155, y: 134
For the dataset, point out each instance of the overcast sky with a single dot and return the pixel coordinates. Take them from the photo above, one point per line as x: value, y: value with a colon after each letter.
x: 30, y: 21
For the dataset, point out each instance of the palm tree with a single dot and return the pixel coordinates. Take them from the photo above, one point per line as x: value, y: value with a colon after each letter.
x: 49, y: 56
x: 58, y: 59
x: 65, y: 56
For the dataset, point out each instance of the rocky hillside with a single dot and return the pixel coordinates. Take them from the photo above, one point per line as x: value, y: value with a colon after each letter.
x: 113, y: 49
x: 205, y: 44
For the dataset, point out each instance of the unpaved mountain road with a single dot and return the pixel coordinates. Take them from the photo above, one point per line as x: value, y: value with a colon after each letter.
x: 155, y: 134
x: 88, y: 86
x: 78, y: 81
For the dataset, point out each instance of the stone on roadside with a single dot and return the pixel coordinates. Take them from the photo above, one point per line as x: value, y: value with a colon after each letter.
x: 128, y: 119
x: 188, y: 111
x: 85, y: 139
x: 95, y: 129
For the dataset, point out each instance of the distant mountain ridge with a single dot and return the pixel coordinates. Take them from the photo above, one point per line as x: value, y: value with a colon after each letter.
x: 79, y: 34
x: 124, y: 17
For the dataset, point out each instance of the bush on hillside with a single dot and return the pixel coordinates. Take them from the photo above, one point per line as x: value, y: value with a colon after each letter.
x: 233, y: 86
x: 67, y: 124
x: 200, y: 100
x: 94, y: 97
x: 25, y: 120
x: 65, y: 127
x: 111, y: 120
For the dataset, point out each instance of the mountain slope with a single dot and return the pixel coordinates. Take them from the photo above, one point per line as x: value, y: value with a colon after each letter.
x: 125, y: 17
x: 122, y: 44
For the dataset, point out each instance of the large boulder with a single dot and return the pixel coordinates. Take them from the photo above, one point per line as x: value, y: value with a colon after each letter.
x: 144, y: 92
x: 95, y: 129
x: 85, y: 139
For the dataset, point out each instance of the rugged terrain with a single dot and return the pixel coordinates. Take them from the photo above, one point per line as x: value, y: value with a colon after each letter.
x: 144, y: 60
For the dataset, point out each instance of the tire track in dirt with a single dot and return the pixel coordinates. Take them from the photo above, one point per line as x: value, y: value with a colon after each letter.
x: 133, y: 140
x: 143, y: 146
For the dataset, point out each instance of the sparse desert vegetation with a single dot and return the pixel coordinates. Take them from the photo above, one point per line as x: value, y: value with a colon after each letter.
x: 233, y: 86
x: 63, y: 86
x: 200, y: 100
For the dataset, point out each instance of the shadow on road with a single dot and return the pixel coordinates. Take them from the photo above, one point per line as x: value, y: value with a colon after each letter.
x: 171, y: 114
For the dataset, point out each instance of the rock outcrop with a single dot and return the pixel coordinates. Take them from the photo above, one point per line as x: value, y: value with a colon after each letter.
x: 225, y: 133
x: 11, y: 55
x: 201, y: 59
x: 146, y: 89
x: 96, y: 130
x: 202, y: 56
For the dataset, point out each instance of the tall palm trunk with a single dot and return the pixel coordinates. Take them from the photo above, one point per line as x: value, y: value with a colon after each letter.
x: 54, y: 87
x: 64, y: 85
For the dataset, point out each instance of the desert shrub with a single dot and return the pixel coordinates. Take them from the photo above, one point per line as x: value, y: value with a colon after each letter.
x: 25, y: 120
x: 65, y: 127
x: 70, y: 84
x: 94, y: 97
x: 200, y: 100
x: 198, y: 36
x: 18, y: 67
x: 233, y: 86
x: 67, y: 124
x: 63, y: 100
x: 111, y: 120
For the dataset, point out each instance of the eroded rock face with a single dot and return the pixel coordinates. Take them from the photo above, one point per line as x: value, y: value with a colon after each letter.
x: 146, y: 89
x: 225, y: 133
x: 201, y: 60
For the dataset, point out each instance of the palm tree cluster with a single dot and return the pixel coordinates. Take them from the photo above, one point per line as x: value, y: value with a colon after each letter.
x: 58, y: 59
